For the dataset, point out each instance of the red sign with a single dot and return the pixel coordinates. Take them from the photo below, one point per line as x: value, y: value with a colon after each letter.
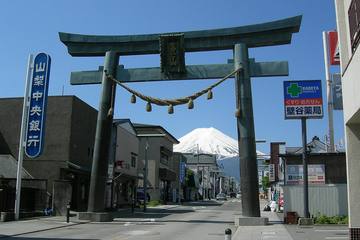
x: 309, y: 101
x: 334, y: 48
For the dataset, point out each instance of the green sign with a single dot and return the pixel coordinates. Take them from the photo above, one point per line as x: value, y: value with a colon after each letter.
x: 294, y: 90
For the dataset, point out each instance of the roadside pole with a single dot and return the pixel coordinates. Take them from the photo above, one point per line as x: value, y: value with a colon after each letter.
x: 146, y: 172
x: 330, y: 105
x: 22, y: 136
x: 305, y: 168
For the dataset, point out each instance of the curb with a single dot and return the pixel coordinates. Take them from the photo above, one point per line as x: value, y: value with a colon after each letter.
x: 42, y: 230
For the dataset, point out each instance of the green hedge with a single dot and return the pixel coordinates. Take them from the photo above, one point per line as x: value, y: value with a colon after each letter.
x: 322, y: 219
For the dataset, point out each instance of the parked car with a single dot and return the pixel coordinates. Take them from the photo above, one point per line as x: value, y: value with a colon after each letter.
x: 232, y: 195
x: 221, y: 196
x: 238, y: 195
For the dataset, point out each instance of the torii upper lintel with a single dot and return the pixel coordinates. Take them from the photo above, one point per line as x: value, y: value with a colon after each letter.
x: 258, y: 35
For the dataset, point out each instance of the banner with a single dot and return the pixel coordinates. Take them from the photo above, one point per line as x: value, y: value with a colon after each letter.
x: 337, y: 92
x: 334, y: 48
x: 35, y: 128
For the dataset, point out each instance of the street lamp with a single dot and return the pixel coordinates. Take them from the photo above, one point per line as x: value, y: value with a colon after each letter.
x: 146, y: 162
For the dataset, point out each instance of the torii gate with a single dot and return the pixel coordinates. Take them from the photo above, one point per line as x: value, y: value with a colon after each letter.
x: 172, y: 47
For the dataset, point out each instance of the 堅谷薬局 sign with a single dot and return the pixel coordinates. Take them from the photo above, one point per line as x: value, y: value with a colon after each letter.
x: 303, y: 99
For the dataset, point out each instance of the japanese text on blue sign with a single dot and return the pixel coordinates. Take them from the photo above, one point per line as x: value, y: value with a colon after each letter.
x: 37, y: 105
x: 303, y: 99
x: 182, y: 172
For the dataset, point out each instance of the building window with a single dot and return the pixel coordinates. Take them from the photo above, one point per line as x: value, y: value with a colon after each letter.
x: 354, y: 23
x: 133, y: 160
x: 164, y: 159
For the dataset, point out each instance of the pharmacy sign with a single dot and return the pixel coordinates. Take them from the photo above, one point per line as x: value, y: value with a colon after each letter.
x: 303, y: 99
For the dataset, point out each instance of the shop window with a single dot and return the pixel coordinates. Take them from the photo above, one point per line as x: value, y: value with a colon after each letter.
x: 165, y: 155
x: 133, y: 160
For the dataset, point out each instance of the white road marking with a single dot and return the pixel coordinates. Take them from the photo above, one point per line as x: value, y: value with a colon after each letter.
x: 331, y: 230
x: 345, y: 237
x: 268, y: 233
x: 138, y: 233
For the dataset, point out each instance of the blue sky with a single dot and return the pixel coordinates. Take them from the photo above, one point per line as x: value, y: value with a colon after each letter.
x: 32, y: 26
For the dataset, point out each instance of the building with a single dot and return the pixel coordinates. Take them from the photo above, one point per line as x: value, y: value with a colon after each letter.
x: 332, y: 164
x: 326, y: 178
x: 123, y: 164
x: 348, y: 17
x: 69, y: 140
x: 207, y: 172
x: 156, y: 147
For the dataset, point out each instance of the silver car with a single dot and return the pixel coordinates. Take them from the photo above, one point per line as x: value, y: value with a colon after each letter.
x: 221, y: 196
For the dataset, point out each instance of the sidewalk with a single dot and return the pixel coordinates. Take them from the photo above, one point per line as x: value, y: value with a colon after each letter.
x: 15, y: 228
x: 275, y: 230
x: 39, y: 224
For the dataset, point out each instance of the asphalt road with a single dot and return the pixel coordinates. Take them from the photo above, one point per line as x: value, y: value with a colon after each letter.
x: 198, y: 220
x: 193, y: 221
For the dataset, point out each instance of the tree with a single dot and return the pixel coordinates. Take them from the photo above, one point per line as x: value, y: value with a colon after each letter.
x: 265, y: 183
x: 189, y: 179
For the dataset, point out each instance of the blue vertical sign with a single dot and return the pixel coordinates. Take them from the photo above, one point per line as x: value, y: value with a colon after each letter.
x: 35, y: 126
x: 182, y: 172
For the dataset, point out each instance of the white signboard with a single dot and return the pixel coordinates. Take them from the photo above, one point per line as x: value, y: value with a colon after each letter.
x: 272, y: 172
x: 316, y: 174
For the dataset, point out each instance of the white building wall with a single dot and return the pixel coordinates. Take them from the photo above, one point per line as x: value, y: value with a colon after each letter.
x: 350, y: 69
x: 349, y: 63
x: 126, y: 144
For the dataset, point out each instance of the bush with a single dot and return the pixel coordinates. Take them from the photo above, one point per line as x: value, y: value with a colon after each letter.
x: 153, y: 203
x: 323, y: 219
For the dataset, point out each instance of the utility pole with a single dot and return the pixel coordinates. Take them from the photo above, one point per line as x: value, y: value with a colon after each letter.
x: 305, y: 169
x: 330, y: 106
x: 146, y: 167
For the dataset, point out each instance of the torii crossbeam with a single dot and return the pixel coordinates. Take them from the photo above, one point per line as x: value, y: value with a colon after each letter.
x: 171, y: 47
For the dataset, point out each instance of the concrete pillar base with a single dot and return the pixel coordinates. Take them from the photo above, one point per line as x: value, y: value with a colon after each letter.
x: 305, y: 221
x: 251, y: 221
x: 7, y: 216
x: 96, y: 216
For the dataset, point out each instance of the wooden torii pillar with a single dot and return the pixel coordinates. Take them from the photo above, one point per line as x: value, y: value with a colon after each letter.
x: 239, y: 39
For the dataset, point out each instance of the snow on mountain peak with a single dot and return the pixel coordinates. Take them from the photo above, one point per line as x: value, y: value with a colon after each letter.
x: 208, y: 140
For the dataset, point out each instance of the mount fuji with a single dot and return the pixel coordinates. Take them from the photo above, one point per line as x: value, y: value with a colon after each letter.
x: 212, y: 141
